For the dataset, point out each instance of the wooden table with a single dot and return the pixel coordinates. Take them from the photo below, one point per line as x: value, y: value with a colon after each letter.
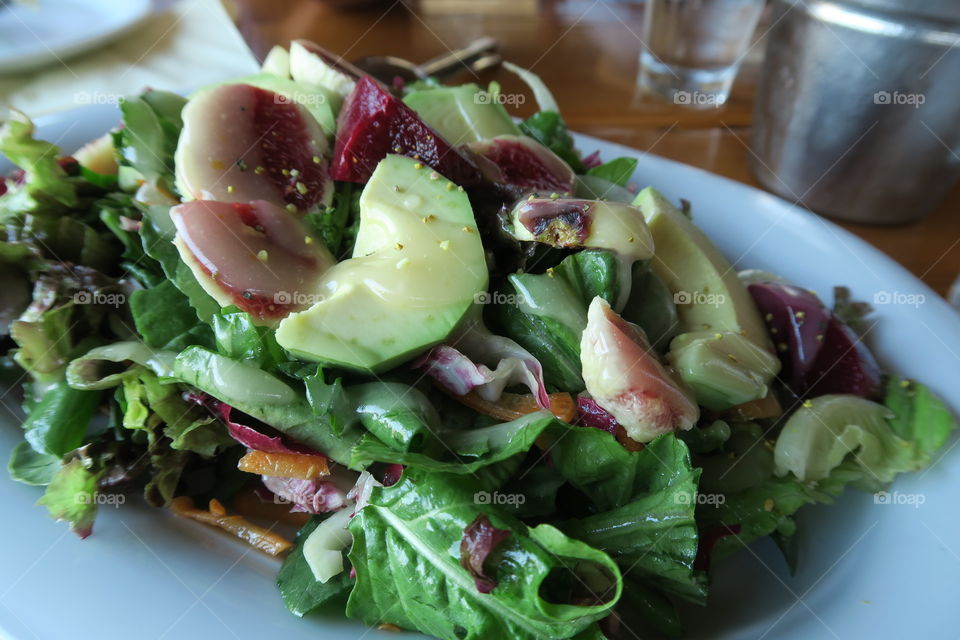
x: 587, y: 52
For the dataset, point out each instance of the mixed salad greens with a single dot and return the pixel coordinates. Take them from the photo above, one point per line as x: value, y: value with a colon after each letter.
x: 503, y: 395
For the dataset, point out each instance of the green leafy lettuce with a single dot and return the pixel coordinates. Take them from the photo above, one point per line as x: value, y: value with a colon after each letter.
x: 406, y: 553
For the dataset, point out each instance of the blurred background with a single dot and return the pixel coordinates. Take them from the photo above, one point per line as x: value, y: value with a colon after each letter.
x: 848, y: 108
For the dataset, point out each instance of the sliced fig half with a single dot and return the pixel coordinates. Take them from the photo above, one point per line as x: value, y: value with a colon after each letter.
x: 525, y: 165
x: 570, y: 223
x: 256, y: 256
x: 242, y: 143
x: 821, y: 355
x: 624, y: 377
x: 796, y: 321
x: 844, y: 365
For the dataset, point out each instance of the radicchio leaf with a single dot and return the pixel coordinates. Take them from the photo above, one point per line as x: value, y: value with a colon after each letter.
x: 479, y: 540
x: 467, y: 367
x: 591, y: 414
x: 319, y: 495
x: 391, y: 475
x: 246, y: 435
x: 592, y: 160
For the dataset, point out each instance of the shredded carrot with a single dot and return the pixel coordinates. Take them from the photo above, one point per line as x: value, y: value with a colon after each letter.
x: 217, y: 508
x: 511, y: 406
x: 284, y: 465
x: 263, y: 539
x: 766, y: 407
x: 248, y: 503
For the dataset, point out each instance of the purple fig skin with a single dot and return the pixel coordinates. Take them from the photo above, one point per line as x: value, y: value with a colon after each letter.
x: 844, y: 365
x: 820, y: 354
x: 796, y: 320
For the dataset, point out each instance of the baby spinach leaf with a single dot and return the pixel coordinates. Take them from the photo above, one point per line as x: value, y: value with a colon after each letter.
x: 618, y: 171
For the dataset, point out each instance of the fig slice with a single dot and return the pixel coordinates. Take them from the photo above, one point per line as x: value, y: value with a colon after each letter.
x: 373, y: 123
x: 844, y: 365
x: 796, y: 321
x: 256, y: 256
x: 821, y: 355
x: 523, y: 164
x: 569, y: 223
x: 242, y: 143
x: 624, y: 376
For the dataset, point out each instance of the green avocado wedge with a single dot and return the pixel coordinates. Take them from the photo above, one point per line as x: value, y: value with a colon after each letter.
x: 462, y: 114
x: 417, y: 267
x: 723, y: 351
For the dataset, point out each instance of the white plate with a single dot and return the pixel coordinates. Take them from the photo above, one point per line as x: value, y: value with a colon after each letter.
x: 32, y: 35
x: 867, y: 570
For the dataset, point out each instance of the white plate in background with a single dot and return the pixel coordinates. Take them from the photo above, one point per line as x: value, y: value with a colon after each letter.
x: 866, y: 570
x: 50, y: 31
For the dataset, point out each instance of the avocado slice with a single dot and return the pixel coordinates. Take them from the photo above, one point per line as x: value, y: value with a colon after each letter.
x: 708, y: 294
x: 462, y: 114
x: 723, y: 368
x: 723, y: 352
x: 417, y: 267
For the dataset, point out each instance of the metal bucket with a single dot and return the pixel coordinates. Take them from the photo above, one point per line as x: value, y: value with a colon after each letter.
x: 858, y: 109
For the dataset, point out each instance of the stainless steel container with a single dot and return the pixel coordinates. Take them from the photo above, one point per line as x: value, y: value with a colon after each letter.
x: 858, y: 109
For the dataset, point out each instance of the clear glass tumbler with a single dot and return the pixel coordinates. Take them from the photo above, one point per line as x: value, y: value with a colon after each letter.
x: 693, y: 48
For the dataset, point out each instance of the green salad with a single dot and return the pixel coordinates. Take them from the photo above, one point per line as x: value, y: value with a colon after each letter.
x: 501, y: 391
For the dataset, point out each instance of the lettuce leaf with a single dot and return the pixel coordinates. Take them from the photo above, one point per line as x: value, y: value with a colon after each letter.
x: 58, y: 423
x: 591, y: 273
x: 651, y: 528
x: 293, y: 416
x: 148, y: 139
x: 474, y: 449
x: 333, y: 225
x: 45, y: 181
x: 239, y: 338
x: 71, y: 496
x: 406, y: 556
x: 165, y: 320
x: 30, y: 467
x: 70, y: 237
x: 882, y: 440
x: 158, y: 246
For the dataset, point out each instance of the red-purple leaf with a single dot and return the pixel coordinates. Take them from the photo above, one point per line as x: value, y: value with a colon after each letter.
x: 391, y: 475
x: 480, y: 538
x: 248, y: 436
x: 591, y: 414
x: 312, y: 496
x: 459, y: 374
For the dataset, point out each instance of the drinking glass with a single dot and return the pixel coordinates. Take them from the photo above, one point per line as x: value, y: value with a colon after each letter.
x: 693, y: 48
